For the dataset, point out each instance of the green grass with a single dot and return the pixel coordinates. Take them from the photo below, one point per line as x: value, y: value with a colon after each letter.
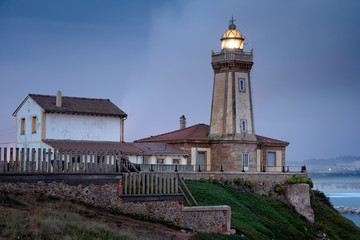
x: 257, y: 217
x: 335, y: 225
x: 53, y: 219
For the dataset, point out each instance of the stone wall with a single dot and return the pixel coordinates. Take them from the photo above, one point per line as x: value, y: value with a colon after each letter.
x: 263, y: 181
x: 229, y: 155
x: 298, y: 195
x: 106, y: 195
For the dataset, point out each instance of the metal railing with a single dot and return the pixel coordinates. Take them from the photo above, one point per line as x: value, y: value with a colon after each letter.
x: 164, y: 167
x: 232, y: 55
x: 249, y: 168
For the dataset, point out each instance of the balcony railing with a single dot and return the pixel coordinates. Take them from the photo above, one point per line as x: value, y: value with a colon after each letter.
x: 232, y: 55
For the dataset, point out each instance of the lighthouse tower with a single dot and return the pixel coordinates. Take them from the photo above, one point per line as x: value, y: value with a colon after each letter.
x: 231, y: 111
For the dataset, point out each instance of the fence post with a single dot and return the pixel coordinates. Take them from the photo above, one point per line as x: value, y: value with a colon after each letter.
x: 27, y: 160
x: 61, y: 154
x: 11, y: 162
x: 43, y: 163
x: 49, y: 161
x: 176, y: 183
x: 22, y: 160
x: 38, y: 160
x: 5, y: 160
x: 151, y: 183
x: 1, y: 167
x: 33, y: 160
x: 16, y: 160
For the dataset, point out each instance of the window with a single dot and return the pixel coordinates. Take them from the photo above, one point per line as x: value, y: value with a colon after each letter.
x: 245, y: 160
x: 22, y: 126
x: 271, y: 159
x: 241, y: 85
x: 160, y: 161
x: 176, y: 161
x: 33, y: 124
x: 243, y: 125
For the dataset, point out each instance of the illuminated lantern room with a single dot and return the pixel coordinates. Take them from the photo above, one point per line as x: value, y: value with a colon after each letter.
x: 232, y: 38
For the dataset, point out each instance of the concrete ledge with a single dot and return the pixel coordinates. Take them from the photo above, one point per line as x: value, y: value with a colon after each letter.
x: 153, y: 197
x: 71, y: 179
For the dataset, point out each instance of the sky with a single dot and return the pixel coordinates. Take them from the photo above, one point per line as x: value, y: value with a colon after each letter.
x: 153, y: 60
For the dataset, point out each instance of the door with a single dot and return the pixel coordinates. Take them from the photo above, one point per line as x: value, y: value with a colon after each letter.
x: 201, y: 161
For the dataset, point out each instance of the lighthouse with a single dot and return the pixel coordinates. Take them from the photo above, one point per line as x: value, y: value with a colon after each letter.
x: 231, y: 111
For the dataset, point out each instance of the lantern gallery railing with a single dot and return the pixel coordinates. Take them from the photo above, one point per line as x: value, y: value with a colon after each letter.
x: 232, y: 55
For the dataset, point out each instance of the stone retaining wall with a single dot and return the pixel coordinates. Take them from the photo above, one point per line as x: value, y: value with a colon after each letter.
x: 298, y: 195
x: 263, y: 181
x: 106, y: 195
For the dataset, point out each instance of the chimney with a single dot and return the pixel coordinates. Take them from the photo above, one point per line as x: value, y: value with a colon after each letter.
x: 182, y: 122
x: 58, y: 99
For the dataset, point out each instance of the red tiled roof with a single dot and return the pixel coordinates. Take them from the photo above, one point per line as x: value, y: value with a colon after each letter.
x: 196, y: 132
x: 126, y: 148
x: 91, y: 145
x: 158, y: 148
x: 88, y: 106
x: 262, y: 139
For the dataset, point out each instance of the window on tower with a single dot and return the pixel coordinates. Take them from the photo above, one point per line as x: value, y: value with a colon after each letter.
x: 243, y: 125
x: 241, y: 85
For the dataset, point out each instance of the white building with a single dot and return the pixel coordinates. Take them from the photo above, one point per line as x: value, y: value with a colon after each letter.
x: 42, y: 117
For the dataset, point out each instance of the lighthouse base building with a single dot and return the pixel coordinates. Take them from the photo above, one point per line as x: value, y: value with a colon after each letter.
x: 229, y: 143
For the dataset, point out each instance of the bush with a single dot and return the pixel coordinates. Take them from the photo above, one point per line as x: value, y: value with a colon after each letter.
x: 238, y: 181
x: 249, y: 184
x: 271, y: 193
x: 279, y: 189
x: 322, y: 197
x: 295, y: 180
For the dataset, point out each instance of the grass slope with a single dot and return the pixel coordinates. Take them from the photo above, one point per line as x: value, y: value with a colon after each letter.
x: 51, y: 219
x: 257, y: 217
x: 327, y: 218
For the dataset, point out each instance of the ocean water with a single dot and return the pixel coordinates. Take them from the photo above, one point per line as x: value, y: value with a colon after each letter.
x: 342, y: 189
x: 347, y: 200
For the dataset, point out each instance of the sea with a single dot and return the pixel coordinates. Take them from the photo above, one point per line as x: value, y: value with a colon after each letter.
x: 343, y: 189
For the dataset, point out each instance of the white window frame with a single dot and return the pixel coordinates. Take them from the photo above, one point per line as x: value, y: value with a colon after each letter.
x: 274, y: 163
x: 243, y: 125
x: 241, y: 85
x: 176, y: 159
x: 247, y: 159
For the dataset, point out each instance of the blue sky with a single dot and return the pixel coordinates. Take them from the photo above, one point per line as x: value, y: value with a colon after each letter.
x: 152, y: 59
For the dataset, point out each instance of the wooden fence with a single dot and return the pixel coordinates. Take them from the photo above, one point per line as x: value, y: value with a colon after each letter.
x: 26, y: 160
x: 145, y: 183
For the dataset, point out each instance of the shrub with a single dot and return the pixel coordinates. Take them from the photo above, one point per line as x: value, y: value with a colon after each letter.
x: 238, y: 181
x: 295, y: 180
x: 279, y: 189
x: 322, y: 197
x: 249, y: 184
x: 115, y: 210
x: 271, y: 193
